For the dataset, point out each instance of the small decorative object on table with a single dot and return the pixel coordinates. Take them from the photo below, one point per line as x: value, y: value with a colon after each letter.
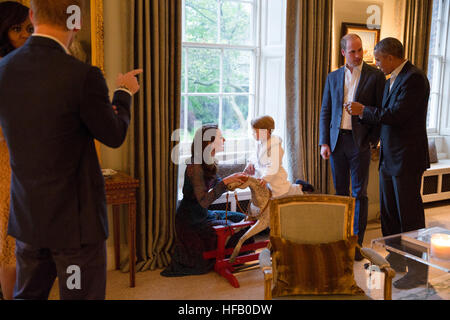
x: 440, y: 246
x: 108, y: 173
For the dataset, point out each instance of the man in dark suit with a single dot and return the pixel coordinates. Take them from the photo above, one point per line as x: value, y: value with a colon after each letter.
x: 52, y: 108
x: 345, y: 140
x: 404, y: 149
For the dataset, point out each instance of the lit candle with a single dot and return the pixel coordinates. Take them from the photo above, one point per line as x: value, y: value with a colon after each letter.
x: 440, y: 246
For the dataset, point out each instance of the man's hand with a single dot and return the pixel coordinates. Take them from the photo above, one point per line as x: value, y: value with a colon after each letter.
x: 354, y: 108
x: 325, y: 151
x: 129, y: 80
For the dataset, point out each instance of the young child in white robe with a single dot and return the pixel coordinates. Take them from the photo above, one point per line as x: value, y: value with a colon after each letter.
x: 267, y: 164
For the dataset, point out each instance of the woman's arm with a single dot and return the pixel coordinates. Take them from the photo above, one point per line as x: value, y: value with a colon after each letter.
x: 204, y: 196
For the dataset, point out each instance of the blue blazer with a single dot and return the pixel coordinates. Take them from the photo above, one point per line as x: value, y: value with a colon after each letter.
x: 369, y: 92
x: 52, y: 107
x: 403, y: 119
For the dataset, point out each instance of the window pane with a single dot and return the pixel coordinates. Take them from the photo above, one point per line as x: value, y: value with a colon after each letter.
x: 433, y: 38
x: 201, y: 21
x: 235, y: 115
x: 236, y: 23
x: 433, y: 67
x: 204, y: 71
x: 182, y: 119
x: 201, y: 110
x: 236, y: 73
x: 183, y: 72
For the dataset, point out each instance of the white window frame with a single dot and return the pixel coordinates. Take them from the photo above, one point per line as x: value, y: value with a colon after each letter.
x: 240, y: 149
x: 254, y: 80
x: 439, y: 100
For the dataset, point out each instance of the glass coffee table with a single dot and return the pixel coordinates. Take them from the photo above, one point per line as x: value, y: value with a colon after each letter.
x: 416, y: 245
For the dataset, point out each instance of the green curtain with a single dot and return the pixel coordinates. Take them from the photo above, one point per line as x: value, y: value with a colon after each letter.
x: 308, y: 62
x: 157, y: 50
x: 417, y: 32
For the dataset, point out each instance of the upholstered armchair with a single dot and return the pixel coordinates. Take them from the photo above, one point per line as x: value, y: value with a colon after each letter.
x: 313, y: 248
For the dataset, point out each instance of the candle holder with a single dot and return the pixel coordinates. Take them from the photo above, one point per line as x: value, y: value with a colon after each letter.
x: 440, y: 246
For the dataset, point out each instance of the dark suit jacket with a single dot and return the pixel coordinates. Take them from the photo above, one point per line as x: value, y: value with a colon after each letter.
x: 52, y: 107
x: 369, y: 92
x: 404, y: 141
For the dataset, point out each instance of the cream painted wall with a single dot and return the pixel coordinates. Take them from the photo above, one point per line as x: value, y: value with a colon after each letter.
x: 392, y: 25
x: 117, y: 60
x: 355, y: 11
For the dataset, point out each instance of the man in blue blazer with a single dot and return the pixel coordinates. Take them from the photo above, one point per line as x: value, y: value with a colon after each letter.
x: 404, y: 150
x: 345, y: 140
x: 52, y: 108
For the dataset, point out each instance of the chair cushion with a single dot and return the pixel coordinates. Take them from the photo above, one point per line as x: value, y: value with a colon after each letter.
x: 314, y: 269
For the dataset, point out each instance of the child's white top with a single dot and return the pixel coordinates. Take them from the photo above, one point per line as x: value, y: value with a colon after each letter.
x: 269, y: 165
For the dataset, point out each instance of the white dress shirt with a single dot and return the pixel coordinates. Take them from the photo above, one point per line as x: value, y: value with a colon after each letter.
x: 350, y: 86
x: 395, y: 73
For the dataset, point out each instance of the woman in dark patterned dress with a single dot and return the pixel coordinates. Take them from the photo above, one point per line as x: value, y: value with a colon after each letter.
x: 194, y: 222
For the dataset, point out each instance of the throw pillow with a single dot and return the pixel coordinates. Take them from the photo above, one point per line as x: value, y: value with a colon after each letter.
x: 306, y: 269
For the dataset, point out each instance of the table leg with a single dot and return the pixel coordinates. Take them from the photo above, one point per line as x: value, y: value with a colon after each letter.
x: 116, y: 227
x: 132, y: 242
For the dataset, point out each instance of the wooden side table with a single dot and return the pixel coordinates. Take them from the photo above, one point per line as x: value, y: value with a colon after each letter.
x: 121, y: 190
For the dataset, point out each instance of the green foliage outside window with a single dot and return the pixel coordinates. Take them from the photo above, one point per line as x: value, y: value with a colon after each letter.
x: 218, y: 77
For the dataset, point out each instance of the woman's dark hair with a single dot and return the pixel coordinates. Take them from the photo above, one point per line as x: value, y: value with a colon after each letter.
x: 11, y: 14
x: 204, y: 137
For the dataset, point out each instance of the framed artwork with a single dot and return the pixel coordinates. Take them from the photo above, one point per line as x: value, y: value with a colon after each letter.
x: 369, y: 37
x: 88, y: 45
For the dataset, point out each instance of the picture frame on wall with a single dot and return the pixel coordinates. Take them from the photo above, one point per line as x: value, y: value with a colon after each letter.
x: 369, y: 36
x: 88, y: 45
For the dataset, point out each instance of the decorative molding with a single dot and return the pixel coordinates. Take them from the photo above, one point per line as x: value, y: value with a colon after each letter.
x: 97, y: 34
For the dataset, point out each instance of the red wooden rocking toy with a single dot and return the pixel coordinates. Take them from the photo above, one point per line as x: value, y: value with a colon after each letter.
x: 223, y: 265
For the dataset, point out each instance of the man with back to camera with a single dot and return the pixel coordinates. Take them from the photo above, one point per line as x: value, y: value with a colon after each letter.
x: 404, y: 150
x: 345, y: 140
x: 52, y: 108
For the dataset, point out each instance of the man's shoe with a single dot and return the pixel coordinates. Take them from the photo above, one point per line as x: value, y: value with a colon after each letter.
x: 398, y: 264
x: 410, y: 281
